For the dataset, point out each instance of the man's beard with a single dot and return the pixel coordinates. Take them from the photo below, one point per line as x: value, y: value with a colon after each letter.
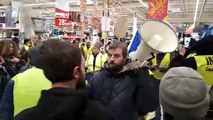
x: 81, y: 82
x: 115, y: 68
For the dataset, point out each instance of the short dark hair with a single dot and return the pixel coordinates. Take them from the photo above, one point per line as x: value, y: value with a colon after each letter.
x: 26, y: 40
x: 121, y: 45
x: 34, y: 53
x: 58, y: 60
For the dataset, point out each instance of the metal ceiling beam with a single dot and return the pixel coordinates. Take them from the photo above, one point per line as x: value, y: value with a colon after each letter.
x: 182, y: 6
x: 201, y: 12
x: 132, y: 11
x: 181, y: 20
x: 191, y: 13
x: 77, y: 7
x: 189, y: 3
x: 90, y: 7
x: 139, y: 14
x: 186, y: 6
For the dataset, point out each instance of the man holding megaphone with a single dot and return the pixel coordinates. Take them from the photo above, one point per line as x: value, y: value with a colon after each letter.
x: 125, y: 88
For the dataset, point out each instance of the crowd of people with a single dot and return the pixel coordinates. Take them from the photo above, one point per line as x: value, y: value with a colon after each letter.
x: 60, y: 80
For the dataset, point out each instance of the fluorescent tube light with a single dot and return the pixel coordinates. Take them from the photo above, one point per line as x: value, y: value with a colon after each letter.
x: 143, y: 3
x: 196, y: 9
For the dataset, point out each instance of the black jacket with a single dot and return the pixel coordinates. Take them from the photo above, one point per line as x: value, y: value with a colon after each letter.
x: 4, y: 79
x: 125, y: 95
x: 63, y: 104
x: 202, y: 47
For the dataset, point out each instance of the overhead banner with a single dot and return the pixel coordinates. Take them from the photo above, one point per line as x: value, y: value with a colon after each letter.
x: 25, y: 21
x: 62, y: 9
x: 158, y: 9
x: 62, y: 13
x: 96, y: 23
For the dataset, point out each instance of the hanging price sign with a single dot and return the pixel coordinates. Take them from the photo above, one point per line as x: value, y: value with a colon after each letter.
x: 62, y: 22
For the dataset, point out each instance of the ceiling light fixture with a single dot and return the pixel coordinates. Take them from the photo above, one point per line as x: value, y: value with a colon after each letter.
x: 36, y: 4
x: 143, y: 3
x: 39, y: 4
x: 2, y: 7
x: 196, y: 9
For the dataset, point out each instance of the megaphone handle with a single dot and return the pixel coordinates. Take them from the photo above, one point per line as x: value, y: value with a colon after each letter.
x: 153, y: 56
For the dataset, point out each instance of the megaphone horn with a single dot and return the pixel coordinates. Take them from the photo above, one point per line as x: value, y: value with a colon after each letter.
x: 157, y: 36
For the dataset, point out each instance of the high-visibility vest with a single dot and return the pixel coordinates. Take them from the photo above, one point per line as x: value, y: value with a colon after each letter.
x: 164, y: 63
x: 27, y: 88
x: 87, y: 51
x: 150, y: 72
x: 205, y: 67
x: 79, y: 45
x: 99, y: 63
x: 191, y: 55
x: 26, y: 47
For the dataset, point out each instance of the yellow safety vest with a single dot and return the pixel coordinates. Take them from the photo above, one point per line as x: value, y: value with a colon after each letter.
x: 87, y: 51
x: 205, y: 67
x: 150, y: 72
x: 27, y: 88
x: 99, y: 63
x: 191, y: 55
x: 164, y: 63
x: 79, y: 45
x: 26, y: 47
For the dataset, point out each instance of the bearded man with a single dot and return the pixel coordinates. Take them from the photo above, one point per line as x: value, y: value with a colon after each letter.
x: 126, y: 93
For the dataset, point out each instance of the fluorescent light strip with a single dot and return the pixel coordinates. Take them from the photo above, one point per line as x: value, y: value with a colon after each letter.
x: 36, y: 4
x: 196, y: 9
x: 3, y: 7
x: 39, y: 4
x: 143, y: 3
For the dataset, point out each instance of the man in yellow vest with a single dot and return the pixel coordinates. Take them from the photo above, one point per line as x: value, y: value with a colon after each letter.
x: 23, y: 91
x: 160, y: 64
x: 87, y: 48
x: 202, y: 61
x: 95, y: 61
x: 25, y: 49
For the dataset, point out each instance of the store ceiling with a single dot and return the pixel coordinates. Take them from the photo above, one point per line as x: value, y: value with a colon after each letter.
x: 179, y: 10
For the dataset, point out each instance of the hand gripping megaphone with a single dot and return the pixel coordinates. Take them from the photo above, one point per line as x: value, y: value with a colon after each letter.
x: 156, y: 36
